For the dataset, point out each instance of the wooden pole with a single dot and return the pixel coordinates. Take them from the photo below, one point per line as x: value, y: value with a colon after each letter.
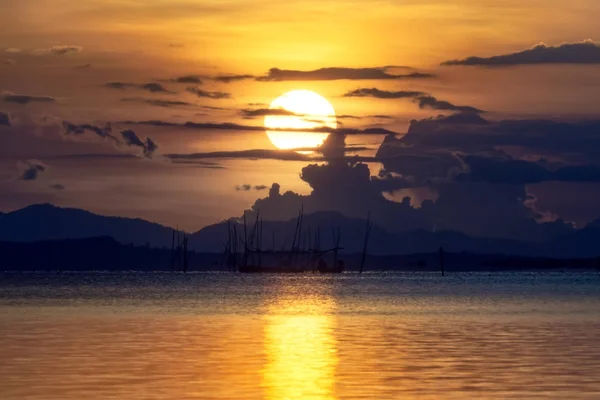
x: 173, y: 252
x: 185, y: 255
x: 335, y: 248
x: 364, y: 254
x: 442, y: 260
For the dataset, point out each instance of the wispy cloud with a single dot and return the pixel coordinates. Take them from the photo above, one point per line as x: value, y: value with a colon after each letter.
x: 422, y: 99
x: 338, y: 73
x: 151, y: 86
x: 211, y: 95
x: 58, y: 50
x: 158, y: 102
x: 25, y: 99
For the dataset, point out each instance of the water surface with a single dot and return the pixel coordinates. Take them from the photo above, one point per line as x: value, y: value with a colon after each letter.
x: 222, y: 336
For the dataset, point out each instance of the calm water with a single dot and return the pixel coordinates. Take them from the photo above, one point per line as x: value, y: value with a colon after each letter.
x: 376, y: 336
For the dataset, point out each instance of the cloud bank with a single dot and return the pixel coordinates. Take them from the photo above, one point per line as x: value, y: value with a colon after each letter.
x: 586, y: 52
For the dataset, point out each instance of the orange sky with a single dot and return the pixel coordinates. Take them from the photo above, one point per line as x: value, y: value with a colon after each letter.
x: 142, y: 41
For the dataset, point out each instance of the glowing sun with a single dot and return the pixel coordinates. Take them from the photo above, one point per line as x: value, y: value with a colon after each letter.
x: 299, y: 109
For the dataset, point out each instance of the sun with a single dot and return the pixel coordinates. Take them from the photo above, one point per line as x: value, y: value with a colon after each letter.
x: 299, y: 109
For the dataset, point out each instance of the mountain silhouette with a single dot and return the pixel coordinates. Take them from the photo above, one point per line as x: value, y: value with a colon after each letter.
x: 48, y: 222
x: 45, y: 222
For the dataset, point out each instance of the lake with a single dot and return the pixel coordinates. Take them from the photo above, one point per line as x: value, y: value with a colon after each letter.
x: 372, y: 336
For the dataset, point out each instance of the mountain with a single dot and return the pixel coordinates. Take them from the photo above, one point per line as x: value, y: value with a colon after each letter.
x: 47, y: 222
x: 352, y: 232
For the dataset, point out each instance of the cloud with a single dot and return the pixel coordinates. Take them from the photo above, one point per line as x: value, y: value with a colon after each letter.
x: 25, y: 99
x: 504, y: 169
x: 383, y: 94
x: 4, y: 119
x: 10, y: 61
x: 158, y: 102
x: 30, y: 170
x: 262, y: 112
x: 348, y: 188
x: 13, y: 50
x: 103, y: 132
x: 262, y: 154
x: 131, y: 138
x: 337, y: 73
x: 83, y: 66
x: 422, y: 99
x: 149, y: 148
x: 211, y: 95
x: 188, y: 79
x: 258, y: 128
x: 247, y: 187
x: 57, y: 186
x: 58, y: 50
x: 151, y: 87
x: 442, y: 105
x: 578, y: 141
x: 586, y: 52
x: 228, y: 78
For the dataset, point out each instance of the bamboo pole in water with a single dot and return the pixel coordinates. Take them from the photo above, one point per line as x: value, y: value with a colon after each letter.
x: 364, y: 253
x: 442, y: 260
x: 173, y: 252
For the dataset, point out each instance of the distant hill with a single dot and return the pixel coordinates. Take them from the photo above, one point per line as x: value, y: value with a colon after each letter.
x: 105, y: 254
x: 353, y: 234
x: 47, y: 222
x: 94, y: 254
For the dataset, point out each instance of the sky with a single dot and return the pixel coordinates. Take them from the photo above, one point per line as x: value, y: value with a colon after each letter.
x: 477, y: 116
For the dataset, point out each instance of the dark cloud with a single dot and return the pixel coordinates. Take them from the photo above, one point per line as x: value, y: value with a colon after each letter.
x: 262, y: 154
x: 151, y: 87
x: 337, y: 73
x: 25, y: 99
x: 228, y: 78
x: 57, y: 186
x: 130, y: 138
x: 158, y: 102
x: 505, y: 169
x: 422, y: 99
x: 262, y: 112
x: 58, y: 50
x: 96, y: 156
x: 463, y: 207
x: 258, y: 128
x: 247, y: 187
x: 211, y: 95
x: 30, y: 170
x: 586, y: 52
x: 4, y: 118
x: 149, y: 148
x: 83, y: 66
x: 188, y: 79
x: 442, y: 105
x: 576, y: 141
x: 103, y: 132
x: 9, y: 61
x: 383, y: 94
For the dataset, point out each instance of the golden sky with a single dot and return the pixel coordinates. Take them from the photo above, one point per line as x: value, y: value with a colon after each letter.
x: 71, y: 51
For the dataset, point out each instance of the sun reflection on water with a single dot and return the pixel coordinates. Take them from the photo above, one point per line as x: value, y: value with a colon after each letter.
x: 301, y: 347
